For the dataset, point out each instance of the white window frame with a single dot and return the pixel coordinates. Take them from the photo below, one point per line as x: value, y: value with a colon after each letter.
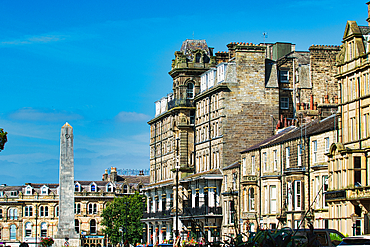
x: 314, y: 151
x: 273, y: 199
x: 289, y: 196
x: 275, y: 160
x: 109, y: 187
x: 28, y: 190
x: 244, y: 162
x: 77, y: 208
x: 264, y: 157
x: 44, y: 190
x: 77, y: 187
x: 95, y: 187
x: 287, y: 157
x: 297, y: 195
x: 284, y: 76
x: 253, y: 166
x: 266, y: 191
x: 299, y: 159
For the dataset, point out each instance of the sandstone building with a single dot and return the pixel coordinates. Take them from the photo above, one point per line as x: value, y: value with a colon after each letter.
x: 349, y: 156
x: 31, y: 211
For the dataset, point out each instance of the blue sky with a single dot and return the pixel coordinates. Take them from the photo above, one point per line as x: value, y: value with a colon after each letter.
x: 100, y: 65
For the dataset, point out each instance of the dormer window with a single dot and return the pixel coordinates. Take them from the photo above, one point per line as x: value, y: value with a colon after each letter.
x: 28, y: 190
x: 44, y: 190
x: 77, y: 187
x: 13, y: 193
x: 109, y: 187
x: 93, y: 187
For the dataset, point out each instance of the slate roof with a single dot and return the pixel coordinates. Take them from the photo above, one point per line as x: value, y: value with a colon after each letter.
x: 270, y: 139
x: 313, y: 128
x: 364, y: 30
x: 133, y: 179
x: 189, y: 45
x: 234, y: 165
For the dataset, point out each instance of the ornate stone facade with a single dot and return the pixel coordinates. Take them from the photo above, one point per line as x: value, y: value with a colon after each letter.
x: 31, y: 211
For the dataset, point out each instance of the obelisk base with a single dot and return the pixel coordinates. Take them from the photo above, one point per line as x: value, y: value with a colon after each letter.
x: 69, y: 243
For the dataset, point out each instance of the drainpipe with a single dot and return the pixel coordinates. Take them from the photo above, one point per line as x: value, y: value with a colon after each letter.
x: 281, y: 177
x: 359, y: 113
x: 294, y: 94
x: 260, y: 189
x: 240, y: 203
x: 209, y: 131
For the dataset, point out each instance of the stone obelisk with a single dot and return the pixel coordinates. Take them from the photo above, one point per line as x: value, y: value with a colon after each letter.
x: 66, y: 234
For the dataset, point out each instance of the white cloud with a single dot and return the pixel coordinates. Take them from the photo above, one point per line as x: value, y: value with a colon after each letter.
x: 47, y: 115
x: 131, y: 117
x: 37, y: 39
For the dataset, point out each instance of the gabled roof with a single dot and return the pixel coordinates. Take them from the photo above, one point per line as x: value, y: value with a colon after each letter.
x: 351, y: 29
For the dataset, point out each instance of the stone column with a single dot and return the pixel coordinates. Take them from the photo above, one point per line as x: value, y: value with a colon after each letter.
x: 66, y: 234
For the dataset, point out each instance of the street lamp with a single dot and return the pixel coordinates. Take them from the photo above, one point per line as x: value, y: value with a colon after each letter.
x: 177, y: 167
x: 354, y: 219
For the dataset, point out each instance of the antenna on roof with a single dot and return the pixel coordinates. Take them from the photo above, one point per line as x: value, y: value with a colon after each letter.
x: 265, y: 36
x: 193, y: 34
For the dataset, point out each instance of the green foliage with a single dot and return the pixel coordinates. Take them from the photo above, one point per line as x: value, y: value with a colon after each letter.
x: 3, y: 139
x: 125, y: 212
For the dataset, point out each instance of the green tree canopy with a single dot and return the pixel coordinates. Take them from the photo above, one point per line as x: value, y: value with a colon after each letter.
x: 125, y: 212
x: 3, y: 139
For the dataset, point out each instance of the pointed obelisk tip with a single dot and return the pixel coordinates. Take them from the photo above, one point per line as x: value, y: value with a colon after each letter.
x: 67, y: 125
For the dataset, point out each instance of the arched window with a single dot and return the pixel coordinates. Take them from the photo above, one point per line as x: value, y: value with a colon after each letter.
x: 77, y: 208
x: 46, y: 211
x: 13, y: 213
x: 92, y: 226
x: 109, y: 187
x: 28, y: 190
x: 190, y: 91
x: 28, y: 211
x: 13, y: 232
x: 92, y: 188
x: 44, y: 190
x: 57, y: 211
x: 44, y: 229
x: 77, y: 226
x: 93, y: 208
x: 251, y: 199
x: 77, y: 187
x: 28, y: 229
x: 41, y: 211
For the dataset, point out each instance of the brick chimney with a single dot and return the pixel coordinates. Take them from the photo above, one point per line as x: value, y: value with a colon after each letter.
x: 113, y: 174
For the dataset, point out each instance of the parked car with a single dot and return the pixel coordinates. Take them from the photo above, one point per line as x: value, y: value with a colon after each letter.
x: 363, y: 240
x: 326, y: 237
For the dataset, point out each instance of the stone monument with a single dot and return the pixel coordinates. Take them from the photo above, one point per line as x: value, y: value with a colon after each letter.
x: 66, y: 235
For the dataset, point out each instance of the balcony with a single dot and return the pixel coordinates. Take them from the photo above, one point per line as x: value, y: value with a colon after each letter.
x: 202, y: 211
x: 179, y: 102
x: 159, y: 214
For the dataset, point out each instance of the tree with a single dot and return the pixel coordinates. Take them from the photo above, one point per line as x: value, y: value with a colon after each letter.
x: 3, y: 139
x: 125, y: 212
